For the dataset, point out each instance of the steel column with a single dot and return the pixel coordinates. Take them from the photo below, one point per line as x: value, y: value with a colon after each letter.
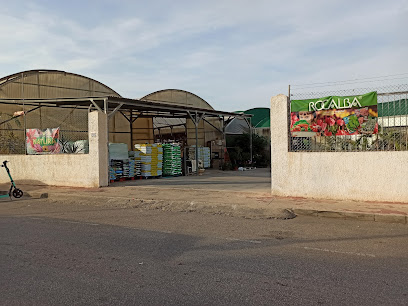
x: 196, y: 133
x: 25, y: 119
x: 250, y: 142
x: 131, y: 130
x: 224, y: 141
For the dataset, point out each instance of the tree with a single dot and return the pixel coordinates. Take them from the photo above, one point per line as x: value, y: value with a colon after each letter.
x: 239, y: 150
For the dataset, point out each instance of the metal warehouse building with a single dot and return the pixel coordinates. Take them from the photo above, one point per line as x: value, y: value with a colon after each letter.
x: 86, y: 110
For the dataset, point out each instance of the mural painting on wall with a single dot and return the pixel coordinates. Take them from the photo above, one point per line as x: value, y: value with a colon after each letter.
x: 335, y: 116
x: 43, y: 141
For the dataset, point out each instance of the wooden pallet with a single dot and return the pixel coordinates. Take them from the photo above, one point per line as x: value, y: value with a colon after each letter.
x: 122, y: 179
x: 152, y: 177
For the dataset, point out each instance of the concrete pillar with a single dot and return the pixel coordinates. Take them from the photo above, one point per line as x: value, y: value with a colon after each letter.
x: 279, y: 143
x: 98, y: 147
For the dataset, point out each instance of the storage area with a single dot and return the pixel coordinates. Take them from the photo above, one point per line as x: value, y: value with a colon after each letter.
x: 155, y: 161
x: 126, y: 138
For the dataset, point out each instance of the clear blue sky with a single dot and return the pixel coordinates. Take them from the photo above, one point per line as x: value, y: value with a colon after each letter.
x: 235, y: 54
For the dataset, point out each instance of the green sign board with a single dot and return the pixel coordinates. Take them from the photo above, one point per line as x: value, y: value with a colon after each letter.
x: 334, y: 102
x: 334, y: 116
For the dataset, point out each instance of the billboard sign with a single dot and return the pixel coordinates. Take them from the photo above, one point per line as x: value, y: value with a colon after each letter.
x: 43, y: 141
x: 334, y: 116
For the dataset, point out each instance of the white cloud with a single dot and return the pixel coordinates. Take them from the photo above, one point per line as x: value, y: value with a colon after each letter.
x: 233, y: 53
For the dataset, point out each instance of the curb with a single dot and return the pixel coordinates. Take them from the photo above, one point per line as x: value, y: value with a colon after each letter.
x: 36, y: 195
x: 387, y: 218
x: 215, y: 208
x: 224, y: 209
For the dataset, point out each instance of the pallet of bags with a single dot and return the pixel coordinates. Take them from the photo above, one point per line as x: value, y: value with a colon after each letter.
x: 126, y: 168
x: 206, y: 157
x: 138, y: 168
x: 204, y: 154
x: 171, y: 159
x: 132, y: 167
x: 117, y: 169
x: 112, y: 174
x: 151, y: 156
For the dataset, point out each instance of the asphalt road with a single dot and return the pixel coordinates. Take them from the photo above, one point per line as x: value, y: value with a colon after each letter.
x: 53, y: 254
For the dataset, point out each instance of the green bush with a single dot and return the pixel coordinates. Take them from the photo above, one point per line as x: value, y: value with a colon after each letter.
x: 239, y: 150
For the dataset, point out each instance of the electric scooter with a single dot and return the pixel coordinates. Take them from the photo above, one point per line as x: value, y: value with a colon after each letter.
x: 17, y: 193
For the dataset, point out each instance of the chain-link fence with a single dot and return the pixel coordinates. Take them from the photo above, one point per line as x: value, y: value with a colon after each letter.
x: 11, y: 130
x: 68, y: 125
x: 382, y: 128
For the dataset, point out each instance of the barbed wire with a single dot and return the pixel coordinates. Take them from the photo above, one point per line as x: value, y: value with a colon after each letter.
x: 294, y: 95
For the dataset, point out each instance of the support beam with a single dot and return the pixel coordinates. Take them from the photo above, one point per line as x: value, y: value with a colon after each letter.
x: 224, y: 141
x: 136, y: 105
x: 212, y: 125
x: 191, y: 116
x: 196, y: 118
x: 149, y: 115
x: 96, y: 105
x: 200, y: 118
x: 229, y: 120
x: 250, y: 143
x: 196, y: 134
x: 115, y: 110
x: 23, y: 114
x: 131, y: 130
x: 126, y: 117
x: 171, y: 126
x: 44, y: 105
x: 248, y: 121
x: 136, y: 116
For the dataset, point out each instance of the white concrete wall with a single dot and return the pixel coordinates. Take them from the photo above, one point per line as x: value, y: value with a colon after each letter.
x: 74, y: 170
x: 98, y: 149
x: 366, y: 176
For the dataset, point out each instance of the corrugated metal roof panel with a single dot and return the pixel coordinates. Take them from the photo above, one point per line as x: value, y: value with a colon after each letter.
x: 261, y: 117
x: 393, y: 108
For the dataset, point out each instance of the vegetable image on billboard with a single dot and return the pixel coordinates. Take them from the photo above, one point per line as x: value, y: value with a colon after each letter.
x: 335, y: 116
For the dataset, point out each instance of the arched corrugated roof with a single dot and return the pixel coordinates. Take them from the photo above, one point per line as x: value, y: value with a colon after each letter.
x: 261, y: 117
x: 237, y: 126
x: 179, y: 97
x: 49, y: 84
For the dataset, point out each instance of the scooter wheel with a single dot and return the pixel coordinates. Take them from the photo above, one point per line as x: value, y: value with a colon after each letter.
x: 17, y: 193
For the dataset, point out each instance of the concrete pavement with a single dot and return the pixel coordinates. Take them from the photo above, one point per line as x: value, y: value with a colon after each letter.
x: 252, y: 205
x: 236, y: 193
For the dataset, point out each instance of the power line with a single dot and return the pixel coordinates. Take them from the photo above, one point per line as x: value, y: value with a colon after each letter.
x: 337, y: 82
x: 350, y: 83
